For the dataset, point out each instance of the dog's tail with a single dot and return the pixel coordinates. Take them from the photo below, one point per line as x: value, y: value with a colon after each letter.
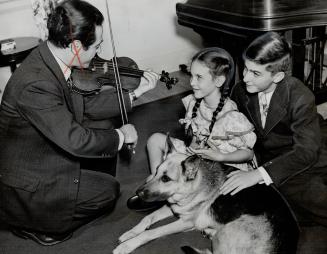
x: 191, y: 250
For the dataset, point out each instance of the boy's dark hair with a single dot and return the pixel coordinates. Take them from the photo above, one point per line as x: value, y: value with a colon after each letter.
x: 73, y: 20
x: 272, y: 49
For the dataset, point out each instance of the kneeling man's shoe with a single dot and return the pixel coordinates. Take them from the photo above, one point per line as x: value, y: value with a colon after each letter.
x: 137, y: 204
x: 41, y: 238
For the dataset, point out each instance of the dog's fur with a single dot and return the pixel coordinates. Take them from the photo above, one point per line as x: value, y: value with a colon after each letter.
x: 255, y: 220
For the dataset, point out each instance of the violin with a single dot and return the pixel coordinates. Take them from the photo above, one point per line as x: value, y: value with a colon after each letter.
x: 100, y: 73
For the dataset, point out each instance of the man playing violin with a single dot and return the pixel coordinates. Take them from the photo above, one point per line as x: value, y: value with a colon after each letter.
x: 47, y: 130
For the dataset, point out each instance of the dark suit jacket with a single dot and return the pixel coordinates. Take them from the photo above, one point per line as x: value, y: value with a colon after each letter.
x: 42, y: 140
x: 290, y: 143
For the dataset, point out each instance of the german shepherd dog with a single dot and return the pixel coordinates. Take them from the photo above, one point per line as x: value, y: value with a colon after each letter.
x: 257, y: 220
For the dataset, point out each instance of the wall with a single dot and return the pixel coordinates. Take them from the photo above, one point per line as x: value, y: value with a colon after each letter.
x: 16, y: 15
x: 145, y: 30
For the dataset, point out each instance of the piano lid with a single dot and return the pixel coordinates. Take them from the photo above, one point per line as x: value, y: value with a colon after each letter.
x: 255, y: 15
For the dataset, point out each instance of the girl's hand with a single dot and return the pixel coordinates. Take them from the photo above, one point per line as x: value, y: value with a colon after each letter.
x: 239, y: 180
x: 210, y: 154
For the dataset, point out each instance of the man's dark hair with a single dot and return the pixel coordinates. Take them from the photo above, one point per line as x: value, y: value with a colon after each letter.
x: 73, y: 20
x: 272, y: 49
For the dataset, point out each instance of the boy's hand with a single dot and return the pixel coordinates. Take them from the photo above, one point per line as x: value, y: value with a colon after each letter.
x: 239, y: 180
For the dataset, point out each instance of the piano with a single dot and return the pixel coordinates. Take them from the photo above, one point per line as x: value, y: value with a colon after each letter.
x: 233, y: 24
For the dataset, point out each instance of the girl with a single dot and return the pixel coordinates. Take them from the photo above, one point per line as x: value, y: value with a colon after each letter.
x: 214, y: 128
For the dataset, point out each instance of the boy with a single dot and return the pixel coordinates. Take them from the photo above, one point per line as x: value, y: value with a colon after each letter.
x: 289, y: 149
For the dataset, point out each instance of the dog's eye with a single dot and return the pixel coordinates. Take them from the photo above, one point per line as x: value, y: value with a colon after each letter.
x: 165, y: 178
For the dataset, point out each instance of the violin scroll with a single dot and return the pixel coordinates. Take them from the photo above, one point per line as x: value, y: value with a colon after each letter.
x: 164, y: 77
x: 183, y: 68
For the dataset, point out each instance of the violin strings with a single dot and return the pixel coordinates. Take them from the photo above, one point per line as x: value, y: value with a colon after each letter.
x: 121, y: 68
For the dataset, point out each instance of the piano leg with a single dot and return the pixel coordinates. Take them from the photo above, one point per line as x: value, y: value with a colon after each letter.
x: 298, y: 35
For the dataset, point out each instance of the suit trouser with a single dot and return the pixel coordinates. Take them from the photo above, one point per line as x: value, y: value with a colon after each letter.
x: 307, y: 195
x: 98, y: 189
x: 97, y: 195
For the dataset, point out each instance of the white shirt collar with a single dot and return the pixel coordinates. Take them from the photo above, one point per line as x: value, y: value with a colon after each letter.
x: 267, y: 95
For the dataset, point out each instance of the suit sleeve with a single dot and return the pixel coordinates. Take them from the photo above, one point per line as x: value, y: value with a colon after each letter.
x: 43, y: 104
x: 304, y: 125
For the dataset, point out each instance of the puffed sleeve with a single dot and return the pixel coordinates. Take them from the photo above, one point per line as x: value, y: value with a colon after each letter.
x: 188, y: 103
x: 239, y: 127
x: 236, y: 129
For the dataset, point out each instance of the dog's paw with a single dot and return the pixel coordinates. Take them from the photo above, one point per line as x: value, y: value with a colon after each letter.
x: 127, y: 235
x: 118, y: 251
x: 123, y: 248
x: 138, y: 229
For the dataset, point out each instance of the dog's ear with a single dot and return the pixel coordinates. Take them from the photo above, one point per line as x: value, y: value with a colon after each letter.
x: 169, y: 147
x: 191, y: 166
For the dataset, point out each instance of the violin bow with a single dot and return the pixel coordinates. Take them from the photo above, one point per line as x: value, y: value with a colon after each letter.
x: 130, y: 147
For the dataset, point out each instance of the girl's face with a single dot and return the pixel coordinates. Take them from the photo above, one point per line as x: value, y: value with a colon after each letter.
x: 203, y: 84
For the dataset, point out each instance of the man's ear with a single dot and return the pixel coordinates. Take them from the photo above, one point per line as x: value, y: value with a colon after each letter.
x: 278, y: 77
x: 75, y: 46
x: 220, y: 80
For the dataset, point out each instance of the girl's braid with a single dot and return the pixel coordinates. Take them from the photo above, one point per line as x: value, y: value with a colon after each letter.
x: 220, y: 106
x: 189, y: 131
x: 195, y: 107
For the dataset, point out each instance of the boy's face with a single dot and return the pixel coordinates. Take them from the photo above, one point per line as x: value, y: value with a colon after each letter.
x: 257, y: 78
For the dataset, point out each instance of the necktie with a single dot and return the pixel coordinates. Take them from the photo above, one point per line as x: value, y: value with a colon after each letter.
x: 70, y: 83
x: 263, y: 108
x: 73, y: 88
